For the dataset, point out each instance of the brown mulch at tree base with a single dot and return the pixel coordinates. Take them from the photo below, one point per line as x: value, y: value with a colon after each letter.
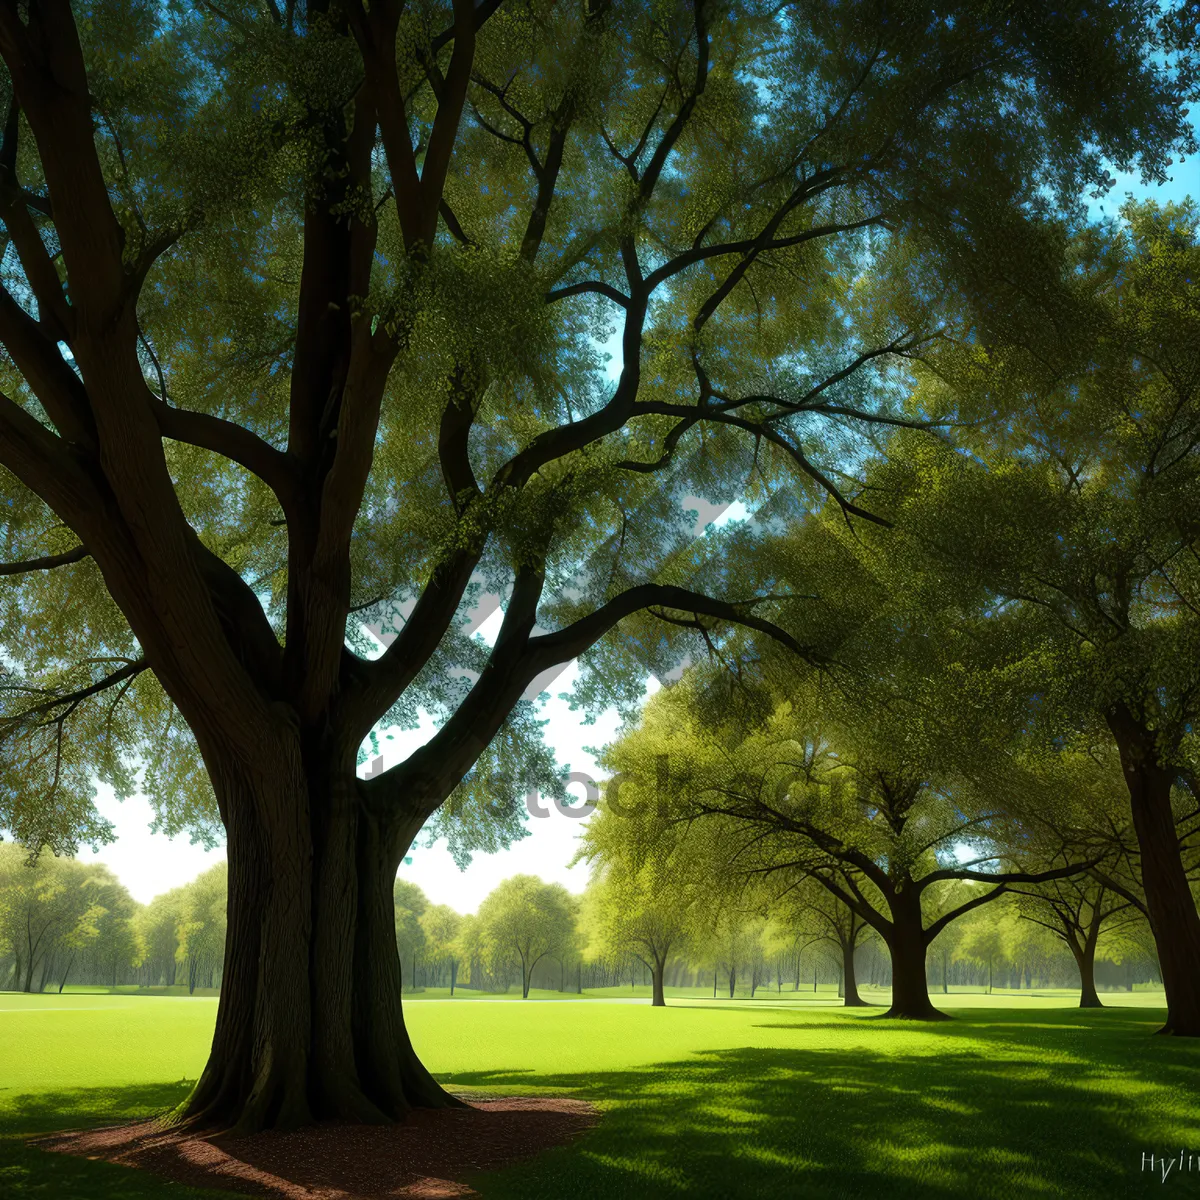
x: 425, y: 1157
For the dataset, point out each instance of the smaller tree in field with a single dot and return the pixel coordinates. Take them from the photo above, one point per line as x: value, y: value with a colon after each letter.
x: 441, y: 925
x: 817, y: 917
x: 44, y: 908
x: 158, y: 926
x: 639, y: 903
x: 1078, y: 911
x: 201, y: 929
x: 410, y: 904
x: 528, y: 919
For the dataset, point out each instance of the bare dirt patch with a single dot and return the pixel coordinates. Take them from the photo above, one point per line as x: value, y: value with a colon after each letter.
x: 426, y: 1158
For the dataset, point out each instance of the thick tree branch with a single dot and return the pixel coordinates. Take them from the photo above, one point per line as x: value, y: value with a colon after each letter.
x: 235, y: 442
x: 933, y: 930
x: 552, y: 648
x: 48, y: 563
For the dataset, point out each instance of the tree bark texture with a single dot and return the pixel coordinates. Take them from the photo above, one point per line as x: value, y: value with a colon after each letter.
x: 1174, y: 920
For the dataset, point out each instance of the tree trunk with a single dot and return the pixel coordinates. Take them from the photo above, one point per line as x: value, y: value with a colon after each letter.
x: 1174, y: 920
x: 1088, y: 996
x: 309, y: 1024
x: 1085, y: 960
x: 850, y: 978
x: 659, y: 999
x: 453, y: 974
x: 906, y: 941
x: 66, y: 972
x: 732, y: 982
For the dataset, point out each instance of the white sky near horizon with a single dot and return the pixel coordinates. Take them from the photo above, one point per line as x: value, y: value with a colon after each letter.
x: 151, y: 863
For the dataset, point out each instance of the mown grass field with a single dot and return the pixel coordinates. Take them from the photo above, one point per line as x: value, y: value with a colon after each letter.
x: 1019, y: 1096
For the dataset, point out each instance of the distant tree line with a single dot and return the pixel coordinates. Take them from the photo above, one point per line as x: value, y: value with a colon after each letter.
x: 67, y: 922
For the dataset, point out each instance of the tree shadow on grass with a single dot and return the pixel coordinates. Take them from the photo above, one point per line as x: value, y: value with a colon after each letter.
x: 993, y: 1105
x: 27, y: 1173
x: 854, y: 1122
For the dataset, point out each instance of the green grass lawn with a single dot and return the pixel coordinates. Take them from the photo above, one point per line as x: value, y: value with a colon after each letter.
x: 1019, y: 1096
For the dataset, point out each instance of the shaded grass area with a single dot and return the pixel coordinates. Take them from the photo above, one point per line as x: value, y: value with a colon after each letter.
x: 999, y: 1103
x: 27, y: 1173
x: 711, y: 1100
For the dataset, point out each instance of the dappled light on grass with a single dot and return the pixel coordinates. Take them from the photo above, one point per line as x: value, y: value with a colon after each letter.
x: 842, y: 1105
x: 717, y: 1100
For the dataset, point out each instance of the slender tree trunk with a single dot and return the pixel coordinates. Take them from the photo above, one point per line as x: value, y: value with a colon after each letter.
x: 1085, y: 960
x: 732, y: 981
x: 1173, y: 916
x: 65, y: 973
x: 659, y: 999
x: 945, y: 969
x: 1088, y: 996
x: 850, y: 978
x: 906, y: 941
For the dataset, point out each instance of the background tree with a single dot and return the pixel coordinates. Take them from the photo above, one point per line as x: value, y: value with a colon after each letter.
x: 639, y: 912
x: 202, y: 927
x: 867, y: 804
x: 528, y: 920
x: 1077, y: 911
x: 1088, y: 532
x: 441, y: 926
x: 639, y: 902
x: 158, y: 924
x: 409, y: 905
x: 44, y: 908
x: 818, y: 917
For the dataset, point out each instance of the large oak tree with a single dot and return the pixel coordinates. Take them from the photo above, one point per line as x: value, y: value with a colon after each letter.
x: 300, y: 317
